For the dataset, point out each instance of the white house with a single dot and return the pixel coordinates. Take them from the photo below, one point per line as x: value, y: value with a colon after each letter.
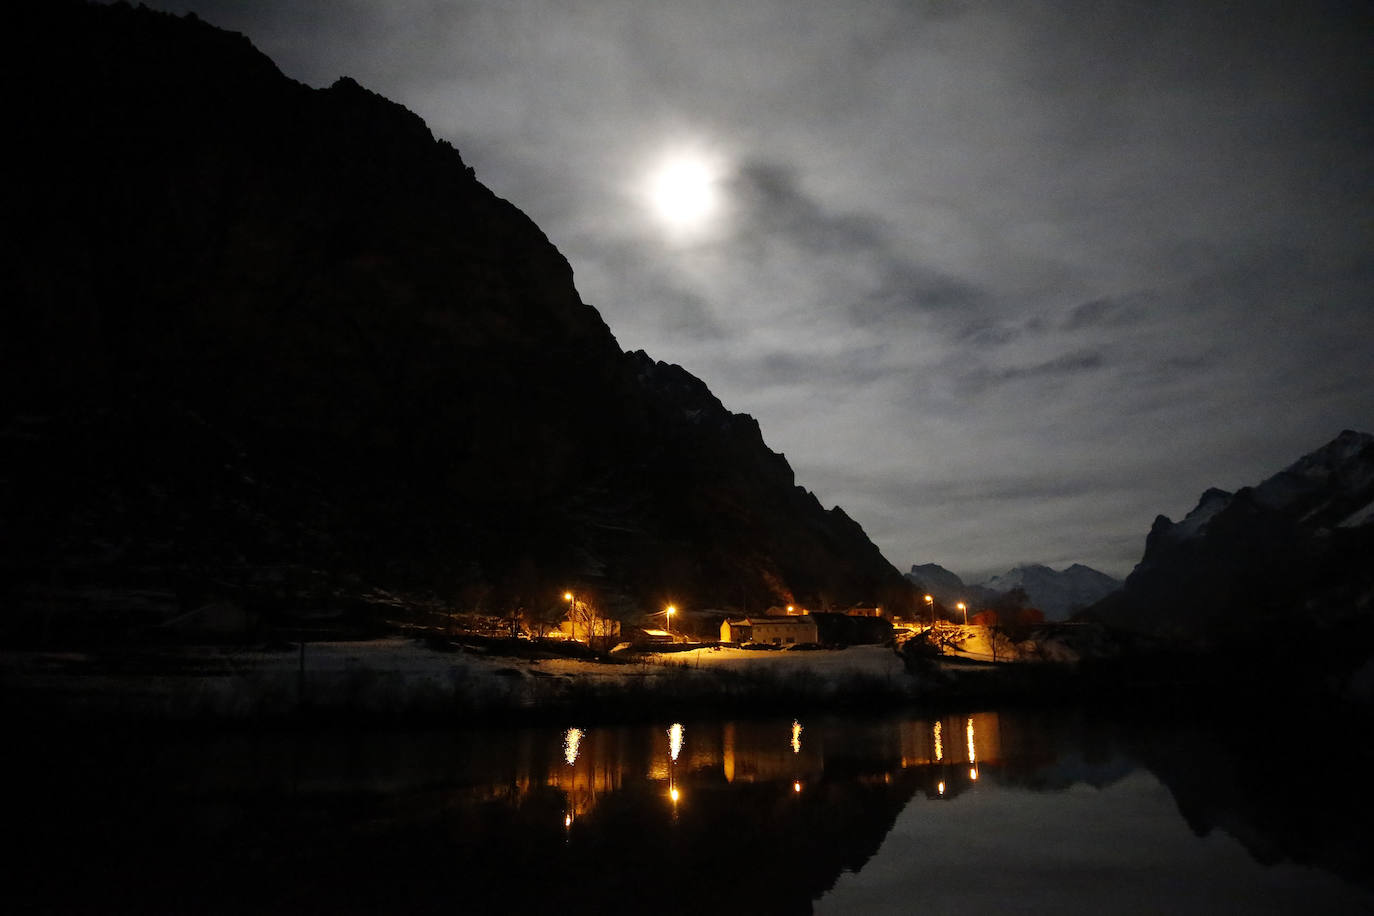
x: 778, y: 631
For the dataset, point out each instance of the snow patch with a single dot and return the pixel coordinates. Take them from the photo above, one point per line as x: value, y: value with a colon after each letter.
x: 1195, y: 522
x: 1362, y: 516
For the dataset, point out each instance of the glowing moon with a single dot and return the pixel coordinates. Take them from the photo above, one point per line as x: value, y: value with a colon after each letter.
x: 682, y: 192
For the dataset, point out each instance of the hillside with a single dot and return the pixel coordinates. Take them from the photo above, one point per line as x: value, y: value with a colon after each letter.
x: 278, y: 346
x: 1291, y: 552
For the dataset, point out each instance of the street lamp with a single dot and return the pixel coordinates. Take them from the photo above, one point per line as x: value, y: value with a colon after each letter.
x: 963, y: 607
x: 671, y: 611
x: 931, y: 601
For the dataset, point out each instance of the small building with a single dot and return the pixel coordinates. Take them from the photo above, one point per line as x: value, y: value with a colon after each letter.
x: 864, y: 610
x: 778, y: 631
x: 646, y: 637
x: 736, y: 630
x: 790, y: 610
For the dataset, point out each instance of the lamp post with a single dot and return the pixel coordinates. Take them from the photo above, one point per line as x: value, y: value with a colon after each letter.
x: 963, y: 607
x: 931, y: 602
x: 568, y: 597
x: 671, y: 611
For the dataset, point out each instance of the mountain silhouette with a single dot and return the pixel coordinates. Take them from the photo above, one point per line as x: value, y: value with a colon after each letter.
x: 279, y: 346
x: 1290, y: 554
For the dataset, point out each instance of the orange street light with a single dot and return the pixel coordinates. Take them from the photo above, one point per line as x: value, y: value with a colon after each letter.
x: 963, y: 607
x: 671, y: 611
x: 931, y: 601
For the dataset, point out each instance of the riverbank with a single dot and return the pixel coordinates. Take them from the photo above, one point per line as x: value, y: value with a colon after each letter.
x: 430, y: 680
x: 398, y: 678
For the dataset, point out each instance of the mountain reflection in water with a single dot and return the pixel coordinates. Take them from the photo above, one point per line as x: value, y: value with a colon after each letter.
x: 770, y: 816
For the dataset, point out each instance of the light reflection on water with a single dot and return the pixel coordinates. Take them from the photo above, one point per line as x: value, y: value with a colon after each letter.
x: 572, y: 741
x: 858, y: 816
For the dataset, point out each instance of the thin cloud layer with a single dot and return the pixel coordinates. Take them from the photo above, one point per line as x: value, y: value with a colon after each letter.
x: 1003, y: 280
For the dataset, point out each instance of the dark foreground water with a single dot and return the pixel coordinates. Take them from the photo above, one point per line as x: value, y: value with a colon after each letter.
x: 962, y: 813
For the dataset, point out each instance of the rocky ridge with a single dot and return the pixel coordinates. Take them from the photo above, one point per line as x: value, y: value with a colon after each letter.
x: 1291, y: 551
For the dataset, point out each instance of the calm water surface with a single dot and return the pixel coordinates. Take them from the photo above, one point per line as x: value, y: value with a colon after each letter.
x: 960, y: 813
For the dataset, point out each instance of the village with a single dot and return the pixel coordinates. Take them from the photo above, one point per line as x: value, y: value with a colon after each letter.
x: 991, y: 635
x: 216, y: 664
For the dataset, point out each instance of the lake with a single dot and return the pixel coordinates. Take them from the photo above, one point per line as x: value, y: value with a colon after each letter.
x: 983, y: 811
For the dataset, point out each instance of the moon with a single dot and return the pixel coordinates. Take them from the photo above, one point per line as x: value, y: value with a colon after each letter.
x: 683, y: 192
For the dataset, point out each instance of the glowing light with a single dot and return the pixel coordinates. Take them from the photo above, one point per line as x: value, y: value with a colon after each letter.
x: 567, y: 596
x: 796, y: 786
x: 796, y: 736
x: 972, y: 751
x: 973, y: 773
x: 675, y: 741
x: 941, y: 787
x: 572, y: 743
x: 674, y: 794
x: 567, y: 820
x: 939, y: 745
x: 683, y: 191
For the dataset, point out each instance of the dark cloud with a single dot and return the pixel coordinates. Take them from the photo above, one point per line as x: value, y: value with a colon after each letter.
x: 881, y: 278
x: 1004, y: 280
x: 1097, y: 313
x: 1065, y: 364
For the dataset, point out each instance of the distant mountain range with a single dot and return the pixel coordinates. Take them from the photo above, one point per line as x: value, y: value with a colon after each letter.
x: 1296, y: 551
x: 1057, y: 593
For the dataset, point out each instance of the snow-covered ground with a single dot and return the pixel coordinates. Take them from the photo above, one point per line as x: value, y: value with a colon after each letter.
x: 878, y: 661
x: 403, y: 675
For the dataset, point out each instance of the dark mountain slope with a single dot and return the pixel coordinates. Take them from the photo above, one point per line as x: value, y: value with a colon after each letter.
x: 1287, y: 555
x: 278, y: 344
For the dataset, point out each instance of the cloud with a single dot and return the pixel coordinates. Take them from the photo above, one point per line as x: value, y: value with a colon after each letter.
x: 1099, y: 313
x: 1066, y: 364
x: 998, y: 278
x: 853, y: 266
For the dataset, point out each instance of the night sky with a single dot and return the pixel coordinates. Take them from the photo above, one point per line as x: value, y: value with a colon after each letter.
x: 1004, y: 280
